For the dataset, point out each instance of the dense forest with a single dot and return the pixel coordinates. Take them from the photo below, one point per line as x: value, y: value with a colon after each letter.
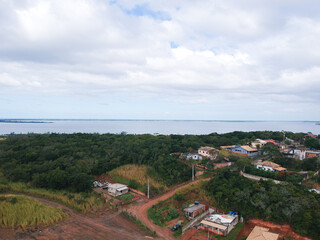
x: 69, y: 161
x: 266, y: 200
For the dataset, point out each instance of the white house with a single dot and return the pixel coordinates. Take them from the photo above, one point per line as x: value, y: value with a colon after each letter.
x: 220, y: 224
x: 208, y: 152
x: 269, y: 166
x: 117, y: 189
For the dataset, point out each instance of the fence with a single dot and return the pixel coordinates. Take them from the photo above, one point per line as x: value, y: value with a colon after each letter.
x: 194, y: 221
x: 258, y: 178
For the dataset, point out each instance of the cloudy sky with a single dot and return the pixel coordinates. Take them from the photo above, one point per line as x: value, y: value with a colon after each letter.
x: 217, y: 59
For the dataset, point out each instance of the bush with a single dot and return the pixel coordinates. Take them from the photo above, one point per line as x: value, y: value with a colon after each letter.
x: 133, y: 184
x: 179, y: 197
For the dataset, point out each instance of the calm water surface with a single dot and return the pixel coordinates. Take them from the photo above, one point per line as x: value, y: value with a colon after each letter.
x: 161, y: 127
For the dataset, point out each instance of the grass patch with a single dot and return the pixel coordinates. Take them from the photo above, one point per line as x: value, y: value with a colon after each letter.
x: 138, y: 174
x: 22, y: 211
x: 196, y: 192
x: 163, y: 212
x: 82, y: 202
x: 126, y: 197
x: 133, y: 218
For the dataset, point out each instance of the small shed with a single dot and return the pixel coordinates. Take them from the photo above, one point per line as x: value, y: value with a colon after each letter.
x: 117, y: 189
x: 194, y: 210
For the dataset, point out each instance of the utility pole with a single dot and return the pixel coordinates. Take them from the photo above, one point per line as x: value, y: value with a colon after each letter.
x: 192, y: 172
x: 148, y: 188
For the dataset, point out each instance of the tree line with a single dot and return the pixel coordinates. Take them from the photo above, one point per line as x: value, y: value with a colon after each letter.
x: 69, y: 161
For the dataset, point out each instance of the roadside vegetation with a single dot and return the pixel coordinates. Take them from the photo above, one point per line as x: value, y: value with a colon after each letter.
x: 82, y: 202
x: 24, y: 212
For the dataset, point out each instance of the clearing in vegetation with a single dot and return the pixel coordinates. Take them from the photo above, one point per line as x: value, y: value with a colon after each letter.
x: 22, y: 211
x: 136, y: 176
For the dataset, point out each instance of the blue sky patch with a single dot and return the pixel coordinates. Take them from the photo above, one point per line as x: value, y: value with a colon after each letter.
x: 144, y: 10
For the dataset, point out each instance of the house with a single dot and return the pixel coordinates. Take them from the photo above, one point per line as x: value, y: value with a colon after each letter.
x: 309, y: 135
x: 220, y: 224
x: 242, y: 150
x: 272, y: 141
x: 194, y: 210
x: 269, y: 166
x: 261, y: 233
x: 229, y: 148
x: 117, y: 189
x: 193, y: 156
x: 208, y: 152
x: 300, y: 153
x: 246, y: 151
x: 315, y: 190
x: 258, y: 142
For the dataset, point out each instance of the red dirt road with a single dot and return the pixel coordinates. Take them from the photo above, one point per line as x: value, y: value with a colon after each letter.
x: 140, y: 211
x: 109, y: 225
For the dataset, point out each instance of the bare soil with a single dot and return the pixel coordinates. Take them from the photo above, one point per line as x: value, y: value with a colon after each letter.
x: 283, y: 230
x: 105, y: 225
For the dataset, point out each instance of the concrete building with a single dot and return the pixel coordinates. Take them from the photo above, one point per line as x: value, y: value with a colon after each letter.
x: 194, y: 210
x: 261, y: 233
x: 219, y: 224
x: 258, y: 142
x: 208, y: 152
x: 117, y: 189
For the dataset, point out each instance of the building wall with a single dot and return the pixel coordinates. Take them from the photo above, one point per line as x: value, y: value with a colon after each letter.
x: 114, y: 192
x: 211, y: 229
x: 265, y: 168
x: 203, y: 152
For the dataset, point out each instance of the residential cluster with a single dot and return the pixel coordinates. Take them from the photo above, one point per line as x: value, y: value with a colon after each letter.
x: 114, y: 189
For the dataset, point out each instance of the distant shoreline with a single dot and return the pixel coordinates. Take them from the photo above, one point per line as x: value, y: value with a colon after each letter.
x: 21, y: 121
x: 50, y: 120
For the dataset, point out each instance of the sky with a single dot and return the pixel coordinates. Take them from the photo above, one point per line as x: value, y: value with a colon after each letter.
x: 132, y: 59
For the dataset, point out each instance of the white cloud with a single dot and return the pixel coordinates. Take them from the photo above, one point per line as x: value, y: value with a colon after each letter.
x: 226, y: 52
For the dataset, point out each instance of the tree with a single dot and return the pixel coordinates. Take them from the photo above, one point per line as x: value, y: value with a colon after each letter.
x: 312, y: 143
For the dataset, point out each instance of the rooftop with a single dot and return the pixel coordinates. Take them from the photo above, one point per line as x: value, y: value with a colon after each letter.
x: 117, y: 186
x: 194, y: 207
x: 207, y: 149
x: 261, y: 233
x: 268, y: 164
x: 226, y: 147
x: 248, y: 148
x: 220, y: 219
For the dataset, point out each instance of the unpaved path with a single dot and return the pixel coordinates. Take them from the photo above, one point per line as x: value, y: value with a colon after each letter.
x: 140, y: 211
x: 109, y: 225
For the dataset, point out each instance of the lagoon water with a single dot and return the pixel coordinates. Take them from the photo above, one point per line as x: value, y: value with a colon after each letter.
x: 155, y: 126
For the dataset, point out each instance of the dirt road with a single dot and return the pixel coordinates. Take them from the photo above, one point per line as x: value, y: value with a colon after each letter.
x: 140, y: 211
x: 109, y: 225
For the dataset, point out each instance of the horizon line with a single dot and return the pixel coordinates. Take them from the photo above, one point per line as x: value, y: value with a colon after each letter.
x: 146, y: 119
